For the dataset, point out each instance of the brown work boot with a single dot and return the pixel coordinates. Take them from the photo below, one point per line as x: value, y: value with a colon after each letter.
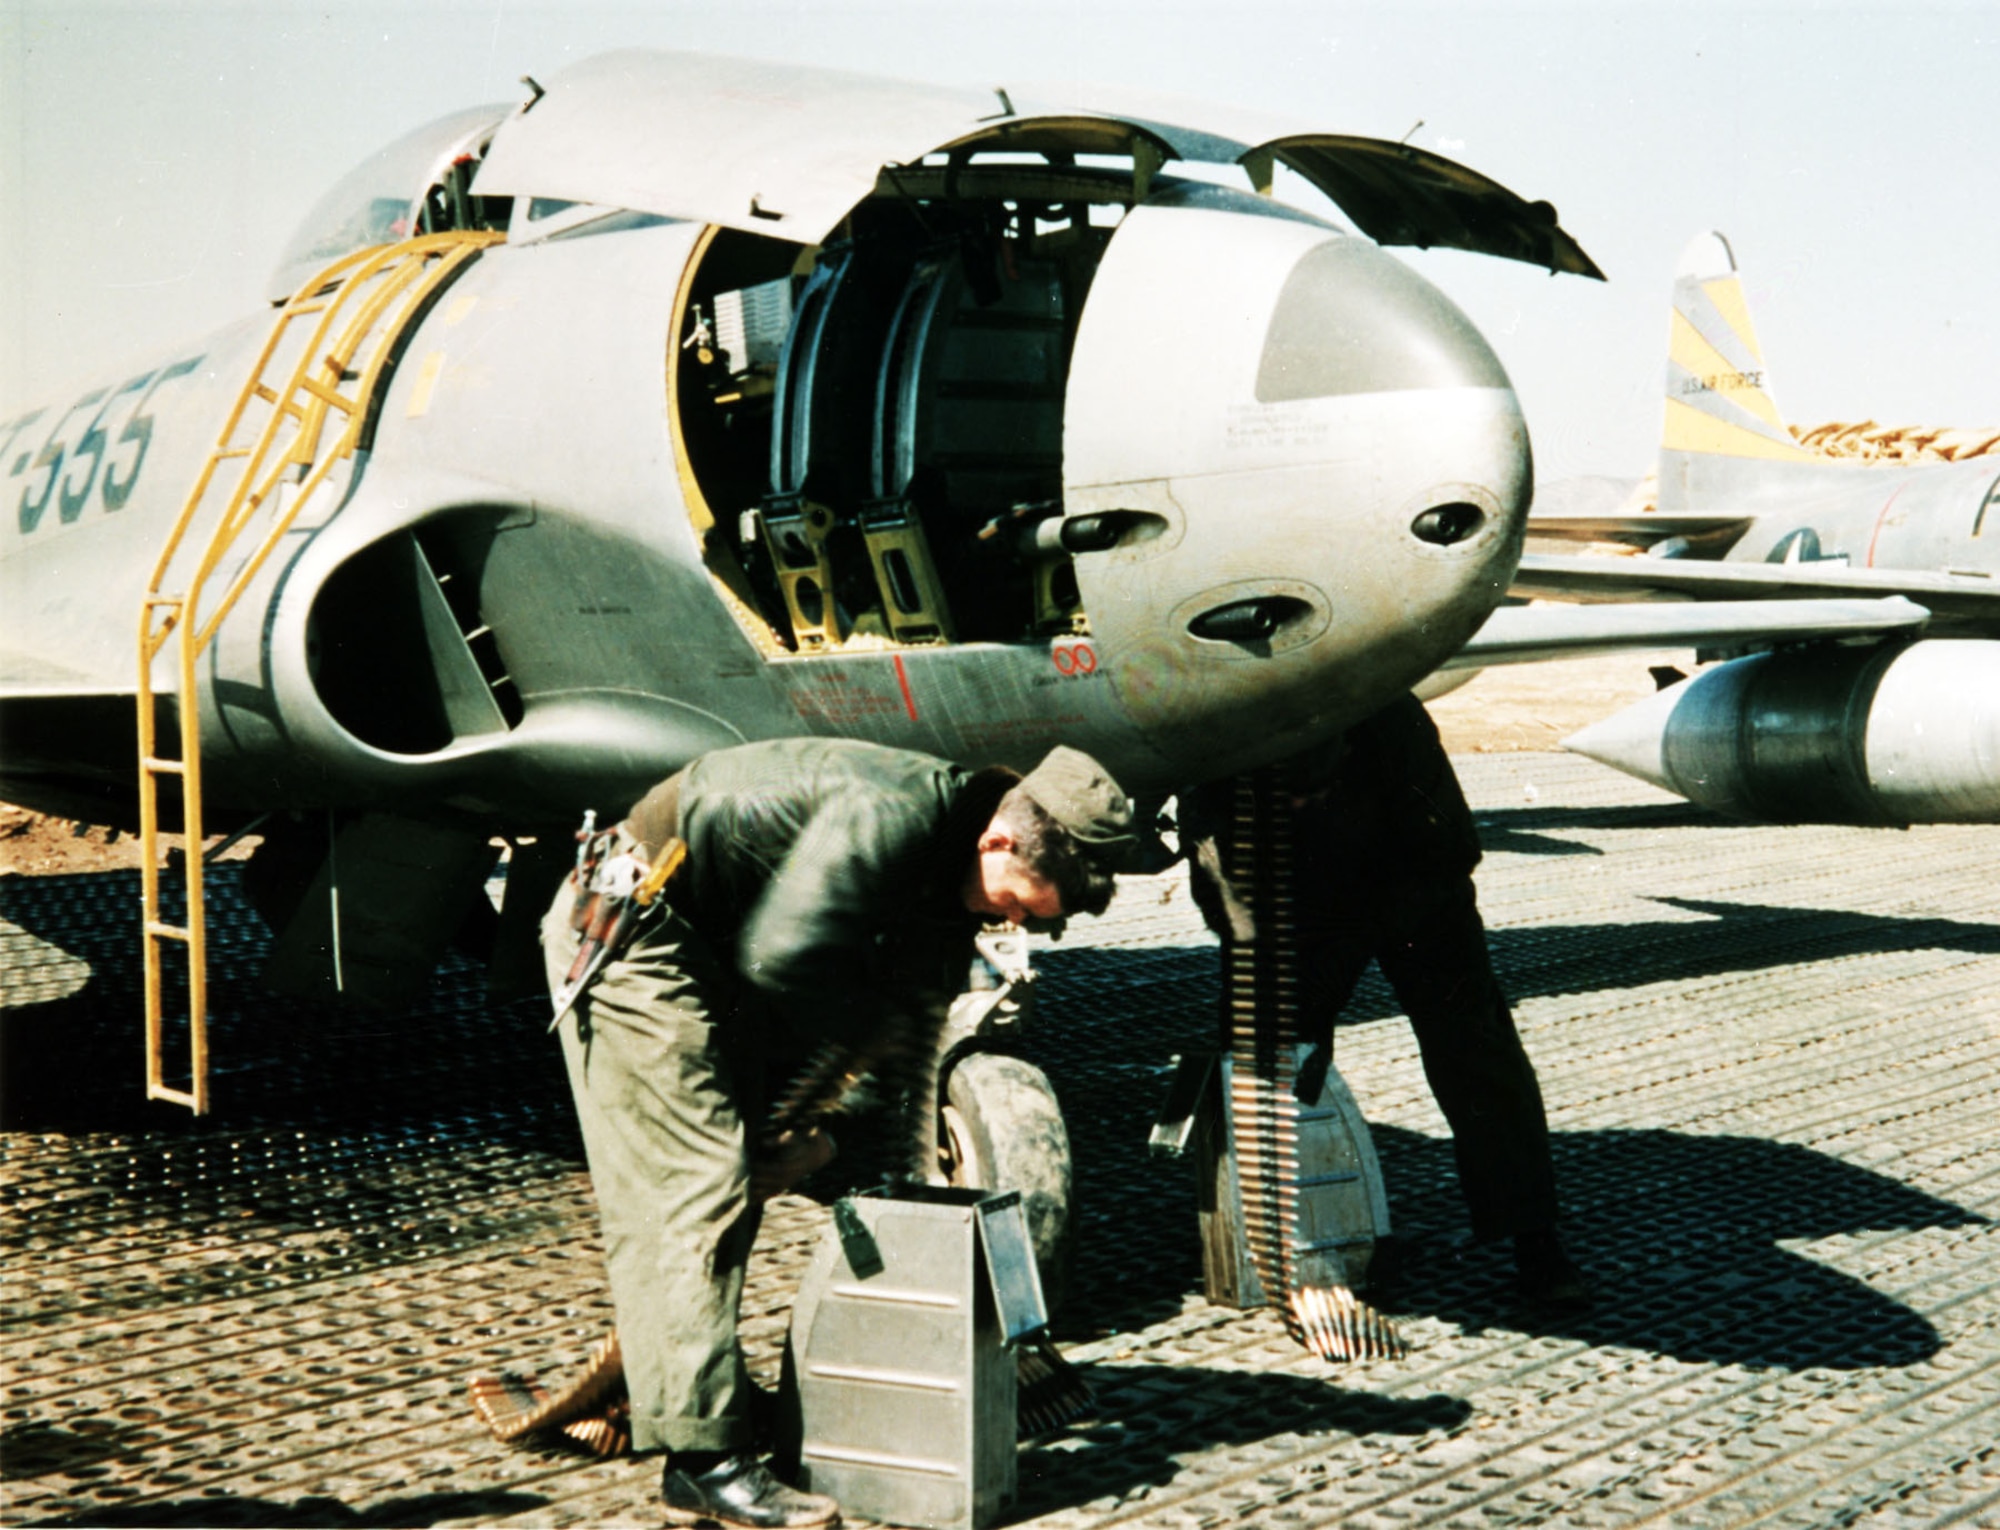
x: 740, y: 1490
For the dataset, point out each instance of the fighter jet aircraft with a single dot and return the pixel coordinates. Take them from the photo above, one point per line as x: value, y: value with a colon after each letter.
x: 1888, y: 728
x: 696, y: 400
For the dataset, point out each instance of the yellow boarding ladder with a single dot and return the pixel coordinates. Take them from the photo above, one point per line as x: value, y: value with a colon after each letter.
x: 352, y: 315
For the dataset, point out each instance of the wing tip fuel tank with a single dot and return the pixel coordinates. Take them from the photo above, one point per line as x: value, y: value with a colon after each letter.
x: 1888, y: 734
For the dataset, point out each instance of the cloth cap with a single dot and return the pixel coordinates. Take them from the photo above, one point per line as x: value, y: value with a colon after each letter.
x: 1079, y: 794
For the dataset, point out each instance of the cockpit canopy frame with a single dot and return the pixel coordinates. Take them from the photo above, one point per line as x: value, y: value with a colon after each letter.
x: 790, y: 151
x: 388, y: 196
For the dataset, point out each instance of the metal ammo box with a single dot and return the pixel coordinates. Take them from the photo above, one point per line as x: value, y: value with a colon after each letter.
x: 899, y: 1385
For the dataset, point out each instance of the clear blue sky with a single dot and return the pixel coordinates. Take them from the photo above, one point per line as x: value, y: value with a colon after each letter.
x: 154, y: 158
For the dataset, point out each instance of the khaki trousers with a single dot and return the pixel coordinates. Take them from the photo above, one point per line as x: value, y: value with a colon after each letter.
x: 666, y: 1086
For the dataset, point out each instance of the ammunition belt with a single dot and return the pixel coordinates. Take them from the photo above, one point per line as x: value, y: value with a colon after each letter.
x: 902, y: 1056
x: 593, y: 1413
x: 1261, y: 1017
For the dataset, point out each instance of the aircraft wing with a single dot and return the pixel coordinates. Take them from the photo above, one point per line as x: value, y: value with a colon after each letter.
x: 1953, y: 599
x: 1528, y: 634
x: 27, y: 677
x: 66, y: 737
x: 1637, y: 530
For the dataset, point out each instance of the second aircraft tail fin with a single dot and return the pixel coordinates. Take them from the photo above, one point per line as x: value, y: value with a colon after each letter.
x: 1719, y: 401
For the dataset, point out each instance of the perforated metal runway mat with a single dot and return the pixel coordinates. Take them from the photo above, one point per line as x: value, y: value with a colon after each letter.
x: 1771, y: 1058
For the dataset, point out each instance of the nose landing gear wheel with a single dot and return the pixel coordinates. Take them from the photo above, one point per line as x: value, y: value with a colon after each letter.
x: 1003, y: 1130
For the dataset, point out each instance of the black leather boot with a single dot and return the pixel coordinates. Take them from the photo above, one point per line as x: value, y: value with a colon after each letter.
x: 1545, y: 1273
x: 740, y: 1490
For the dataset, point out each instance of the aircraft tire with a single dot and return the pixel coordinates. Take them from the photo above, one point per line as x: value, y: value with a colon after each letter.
x: 1003, y: 1130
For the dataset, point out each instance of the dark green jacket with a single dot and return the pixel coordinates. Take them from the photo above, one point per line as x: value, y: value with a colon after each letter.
x: 1381, y: 822
x: 1385, y: 803
x: 831, y: 870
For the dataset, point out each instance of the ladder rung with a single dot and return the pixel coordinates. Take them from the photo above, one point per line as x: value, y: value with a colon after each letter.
x: 222, y: 453
x: 176, y: 1096
x: 166, y: 931
x: 331, y: 396
x: 169, y: 767
x: 166, y: 600
x: 264, y: 393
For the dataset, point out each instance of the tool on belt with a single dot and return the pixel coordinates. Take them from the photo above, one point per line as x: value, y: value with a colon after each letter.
x: 614, y: 890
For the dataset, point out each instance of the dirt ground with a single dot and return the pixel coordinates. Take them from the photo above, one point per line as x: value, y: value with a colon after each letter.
x: 1537, y: 706
x: 38, y: 846
x: 1519, y: 706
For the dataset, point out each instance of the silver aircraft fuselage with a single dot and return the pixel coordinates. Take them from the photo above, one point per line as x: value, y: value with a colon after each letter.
x: 1198, y: 479
x: 530, y: 441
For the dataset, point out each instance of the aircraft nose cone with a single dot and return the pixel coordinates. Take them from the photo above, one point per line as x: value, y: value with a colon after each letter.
x: 1329, y: 457
x: 1351, y: 319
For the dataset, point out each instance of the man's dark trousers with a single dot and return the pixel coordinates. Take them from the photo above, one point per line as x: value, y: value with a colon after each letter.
x: 1427, y: 935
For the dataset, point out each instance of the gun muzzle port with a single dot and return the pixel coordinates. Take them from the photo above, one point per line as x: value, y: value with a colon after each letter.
x: 1058, y: 536
x: 1091, y: 533
x: 1447, y: 525
x: 1248, y: 621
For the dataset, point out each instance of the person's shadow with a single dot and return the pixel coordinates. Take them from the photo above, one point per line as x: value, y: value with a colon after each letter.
x: 1681, y: 1230
x: 313, y: 1512
x: 70, y: 1033
x: 1148, y: 1418
x: 1684, y: 1238
x: 1683, y: 1235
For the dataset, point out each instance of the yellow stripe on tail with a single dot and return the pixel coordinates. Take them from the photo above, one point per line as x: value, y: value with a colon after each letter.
x: 1719, y: 400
